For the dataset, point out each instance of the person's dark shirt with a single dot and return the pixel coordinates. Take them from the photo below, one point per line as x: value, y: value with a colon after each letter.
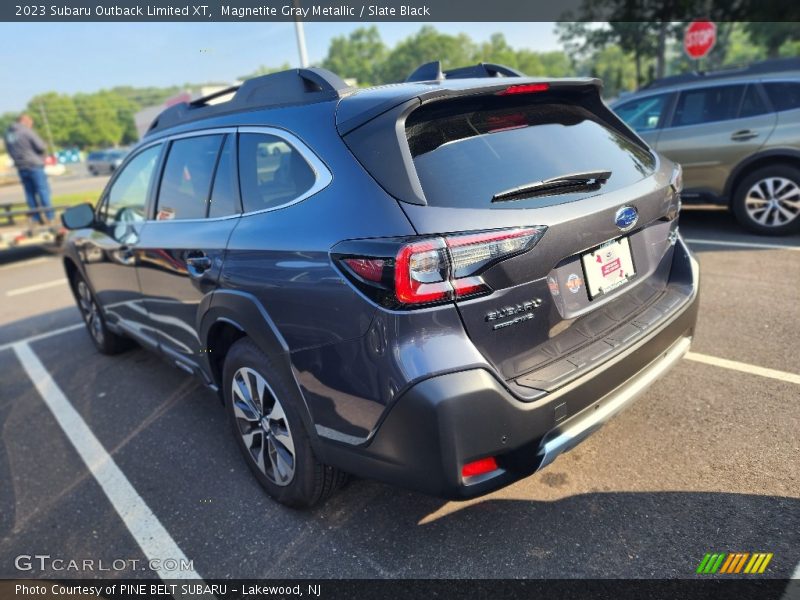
x: 25, y: 147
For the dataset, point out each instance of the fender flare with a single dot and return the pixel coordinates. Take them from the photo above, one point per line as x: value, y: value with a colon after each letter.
x: 743, y: 166
x: 246, y: 313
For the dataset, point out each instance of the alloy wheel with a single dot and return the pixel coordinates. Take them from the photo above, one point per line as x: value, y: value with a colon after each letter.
x: 90, y: 312
x: 773, y: 201
x: 263, y: 425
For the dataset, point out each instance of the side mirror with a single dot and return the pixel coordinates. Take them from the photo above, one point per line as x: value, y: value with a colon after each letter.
x: 78, y: 217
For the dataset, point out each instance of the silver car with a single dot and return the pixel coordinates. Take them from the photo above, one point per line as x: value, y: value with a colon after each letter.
x: 737, y: 135
x: 105, y: 161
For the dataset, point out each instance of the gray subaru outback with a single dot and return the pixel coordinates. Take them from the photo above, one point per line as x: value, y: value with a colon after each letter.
x: 441, y: 284
x: 737, y: 135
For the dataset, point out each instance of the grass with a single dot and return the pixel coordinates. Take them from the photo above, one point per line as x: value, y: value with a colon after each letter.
x: 76, y: 198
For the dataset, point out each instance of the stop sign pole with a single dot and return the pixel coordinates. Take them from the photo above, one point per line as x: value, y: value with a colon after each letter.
x: 699, y: 38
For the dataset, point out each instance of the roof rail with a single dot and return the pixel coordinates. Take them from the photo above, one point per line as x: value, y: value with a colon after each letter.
x: 432, y: 71
x: 773, y: 65
x: 284, y: 88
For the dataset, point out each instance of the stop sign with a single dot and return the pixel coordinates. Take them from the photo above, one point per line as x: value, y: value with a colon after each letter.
x: 699, y: 38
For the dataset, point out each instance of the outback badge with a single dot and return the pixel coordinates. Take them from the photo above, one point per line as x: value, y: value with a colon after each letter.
x: 521, y: 312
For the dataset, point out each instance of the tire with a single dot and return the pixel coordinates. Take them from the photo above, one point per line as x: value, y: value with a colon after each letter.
x: 767, y: 201
x: 270, y: 431
x: 105, y: 340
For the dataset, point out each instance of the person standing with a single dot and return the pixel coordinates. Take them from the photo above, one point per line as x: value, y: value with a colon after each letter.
x: 28, y: 151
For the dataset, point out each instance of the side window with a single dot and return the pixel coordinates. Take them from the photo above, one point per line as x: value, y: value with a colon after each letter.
x: 224, y: 200
x: 708, y: 105
x: 186, y: 182
x: 127, y: 199
x: 271, y: 171
x: 784, y: 95
x: 644, y: 114
x: 752, y: 103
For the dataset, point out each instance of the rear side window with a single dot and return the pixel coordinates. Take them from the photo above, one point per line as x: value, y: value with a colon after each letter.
x: 784, y: 95
x: 467, y: 151
x: 271, y: 172
x: 752, y: 104
x: 224, y: 200
x: 186, y: 182
x: 708, y: 105
x: 644, y: 114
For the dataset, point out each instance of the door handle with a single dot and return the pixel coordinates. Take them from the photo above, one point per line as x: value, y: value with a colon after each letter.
x: 743, y: 135
x: 198, y: 262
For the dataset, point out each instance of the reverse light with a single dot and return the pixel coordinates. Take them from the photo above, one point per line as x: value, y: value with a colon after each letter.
x: 479, y: 467
x: 525, y: 88
x: 406, y: 273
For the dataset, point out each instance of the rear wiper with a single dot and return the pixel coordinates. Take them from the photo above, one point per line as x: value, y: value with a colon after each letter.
x: 563, y: 184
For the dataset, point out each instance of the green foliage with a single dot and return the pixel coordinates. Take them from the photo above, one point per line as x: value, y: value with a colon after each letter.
x: 358, y: 55
x: 772, y: 36
x: 425, y: 46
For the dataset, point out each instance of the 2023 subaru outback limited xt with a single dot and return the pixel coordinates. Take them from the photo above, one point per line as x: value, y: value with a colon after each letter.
x: 441, y: 284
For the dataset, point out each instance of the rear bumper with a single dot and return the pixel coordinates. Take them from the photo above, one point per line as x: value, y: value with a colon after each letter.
x: 449, y: 420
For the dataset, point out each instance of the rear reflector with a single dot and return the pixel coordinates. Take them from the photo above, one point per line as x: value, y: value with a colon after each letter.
x: 479, y: 467
x: 370, y: 269
x: 525, y: 88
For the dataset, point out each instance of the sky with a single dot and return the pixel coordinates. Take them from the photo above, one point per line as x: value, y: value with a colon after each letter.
x: 85, y: 57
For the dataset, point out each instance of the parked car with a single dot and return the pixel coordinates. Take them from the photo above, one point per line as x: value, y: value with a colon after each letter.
x: 441, y: 284
x: 737, y: 135
x: 105, y: 161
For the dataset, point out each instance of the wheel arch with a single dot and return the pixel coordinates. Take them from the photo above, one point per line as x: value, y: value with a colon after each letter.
x: 790, y: 156
x: 233, y: 315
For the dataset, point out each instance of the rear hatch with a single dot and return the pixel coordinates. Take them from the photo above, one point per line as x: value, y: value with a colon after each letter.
x: 544, y: 155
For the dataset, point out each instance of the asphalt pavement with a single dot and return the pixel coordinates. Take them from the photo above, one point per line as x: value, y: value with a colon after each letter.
x: 705, y: 461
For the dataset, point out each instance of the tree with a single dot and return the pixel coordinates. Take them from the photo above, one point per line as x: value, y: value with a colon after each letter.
x: 425, y: 46
x: 62, y: 116
x: 358, y: 55
x: 772, y: 35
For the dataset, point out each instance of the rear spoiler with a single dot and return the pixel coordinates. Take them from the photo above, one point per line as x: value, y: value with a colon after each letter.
x: 432, y: 71
x: 377, y: 134
x: 363, y: 106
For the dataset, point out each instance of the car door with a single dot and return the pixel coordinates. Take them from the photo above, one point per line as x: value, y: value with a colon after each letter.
x: 181, y: 250
x: 712, y: 130
x: 646, y: 115
x: 108, y: 252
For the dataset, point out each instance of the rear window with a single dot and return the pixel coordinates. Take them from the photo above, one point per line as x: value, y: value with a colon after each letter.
x: 784, y: 95
x: 467, y: 151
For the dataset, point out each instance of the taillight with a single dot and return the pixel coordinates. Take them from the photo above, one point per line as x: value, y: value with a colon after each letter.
x: 412, y: 272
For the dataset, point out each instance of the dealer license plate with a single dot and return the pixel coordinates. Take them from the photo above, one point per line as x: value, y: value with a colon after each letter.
x: 608, y: 267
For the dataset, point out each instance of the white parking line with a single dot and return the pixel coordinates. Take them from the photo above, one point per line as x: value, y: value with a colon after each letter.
x: 154, y: 540
x: 706, y: 242
x: 35, y: 287
x: 743, y: 367
x: 42, y: 336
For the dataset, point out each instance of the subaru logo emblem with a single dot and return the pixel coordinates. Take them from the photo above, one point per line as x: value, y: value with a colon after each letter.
x: 626, y: 218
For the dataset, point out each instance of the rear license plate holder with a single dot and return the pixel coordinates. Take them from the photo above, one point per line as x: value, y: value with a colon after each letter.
x: 608, y: 267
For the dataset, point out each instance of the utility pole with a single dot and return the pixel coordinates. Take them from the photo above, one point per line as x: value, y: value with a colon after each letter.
x: 47, y: 127
x: 301, y: 38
